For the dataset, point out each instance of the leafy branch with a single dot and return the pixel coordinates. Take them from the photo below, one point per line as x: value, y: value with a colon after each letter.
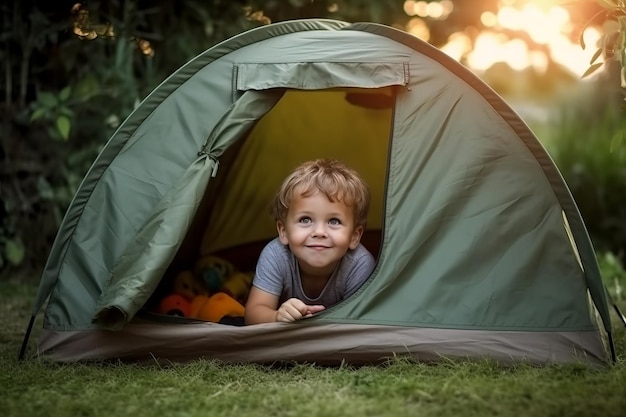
x: 612, y: 42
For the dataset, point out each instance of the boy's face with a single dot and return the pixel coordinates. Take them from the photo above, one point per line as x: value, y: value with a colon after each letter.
x: 319, y: 232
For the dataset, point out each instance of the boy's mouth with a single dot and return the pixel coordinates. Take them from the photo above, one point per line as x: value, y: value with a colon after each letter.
x: 317, y: 247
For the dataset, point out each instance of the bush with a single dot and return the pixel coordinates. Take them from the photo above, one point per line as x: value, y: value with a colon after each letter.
x: 613, y: 275
x: 588, y: 145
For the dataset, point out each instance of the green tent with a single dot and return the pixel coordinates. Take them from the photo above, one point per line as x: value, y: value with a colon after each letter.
x: 481, y: 250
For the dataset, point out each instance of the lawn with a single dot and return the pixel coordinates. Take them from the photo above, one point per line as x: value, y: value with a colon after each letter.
x: 35, y: 387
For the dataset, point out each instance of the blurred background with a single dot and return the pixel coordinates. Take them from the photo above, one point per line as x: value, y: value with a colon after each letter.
x: 71, y: 72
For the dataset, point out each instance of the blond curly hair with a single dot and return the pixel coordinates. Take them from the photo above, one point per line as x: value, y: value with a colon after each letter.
x: 329, y: 176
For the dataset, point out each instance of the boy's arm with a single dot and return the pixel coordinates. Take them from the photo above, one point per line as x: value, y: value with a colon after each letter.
x: 260, y: 307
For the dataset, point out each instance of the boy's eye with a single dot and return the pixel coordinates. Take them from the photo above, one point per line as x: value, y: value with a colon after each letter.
x: 334, y: 222
x: 305, y: 220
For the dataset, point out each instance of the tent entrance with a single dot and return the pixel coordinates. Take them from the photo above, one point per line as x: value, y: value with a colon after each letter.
x: 233, y: 223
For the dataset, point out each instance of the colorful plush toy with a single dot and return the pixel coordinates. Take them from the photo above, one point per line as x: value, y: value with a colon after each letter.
x: 212, y: 308
x: 238, y: 286
x: 213, y: 291
x: 187, y: 285
x: 216, y: 307
x: 213, y: 272
x: 175, y: 305
x: 191, y: 299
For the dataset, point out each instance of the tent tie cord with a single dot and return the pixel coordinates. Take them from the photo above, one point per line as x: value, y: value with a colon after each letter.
x: 212, y: 157
x: 619, y: 313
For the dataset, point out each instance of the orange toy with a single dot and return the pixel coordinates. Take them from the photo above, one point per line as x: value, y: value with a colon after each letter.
x: 175, y: 305
x: 215, y: 307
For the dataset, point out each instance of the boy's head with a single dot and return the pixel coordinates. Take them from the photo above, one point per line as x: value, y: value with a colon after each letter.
x: 330, y: 177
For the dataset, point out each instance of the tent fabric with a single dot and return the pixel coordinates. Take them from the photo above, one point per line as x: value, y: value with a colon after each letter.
x: 562, y: 192
x: 140, y: 269
x: 481, y: 250
x: 142, y: 266
x: 326, y: 344
x: 319, y: 75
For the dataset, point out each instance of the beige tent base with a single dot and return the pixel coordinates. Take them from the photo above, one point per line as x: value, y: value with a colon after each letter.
x: 315, y: 342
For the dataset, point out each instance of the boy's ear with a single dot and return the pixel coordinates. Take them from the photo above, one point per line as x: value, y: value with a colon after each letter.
x: 356, y: 237
x: 282, y: 233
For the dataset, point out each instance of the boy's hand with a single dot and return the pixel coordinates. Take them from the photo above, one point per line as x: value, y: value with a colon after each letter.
x: 294, y: 309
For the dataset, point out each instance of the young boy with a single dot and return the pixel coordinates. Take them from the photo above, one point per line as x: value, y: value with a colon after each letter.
x: 317, y: 259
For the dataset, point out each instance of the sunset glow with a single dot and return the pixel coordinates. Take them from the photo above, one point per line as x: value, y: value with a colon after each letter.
x: 542, y: 22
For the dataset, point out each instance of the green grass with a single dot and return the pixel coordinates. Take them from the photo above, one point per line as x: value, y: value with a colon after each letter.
x: 36, y: 387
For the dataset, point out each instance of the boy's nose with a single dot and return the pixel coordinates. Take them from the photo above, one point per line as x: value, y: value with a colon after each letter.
x: 319, y: 230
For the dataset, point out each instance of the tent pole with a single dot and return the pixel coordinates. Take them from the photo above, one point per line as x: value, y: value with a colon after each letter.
x: 612, y: 348
x: 26, y: 337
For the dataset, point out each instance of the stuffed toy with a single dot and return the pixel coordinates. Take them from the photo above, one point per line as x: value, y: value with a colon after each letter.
x: 214, y: 291
x: 191, y: 299
x: 216, y: 307
x: 213, y: 272
x: 175, y: 305
x: 238, y: 286
x: 187, y: 285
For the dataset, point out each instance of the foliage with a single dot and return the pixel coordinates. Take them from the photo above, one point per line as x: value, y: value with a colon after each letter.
x: 587, y: 141
x: 613, y: 275
x: 613, y: 42
x: 55, y: 110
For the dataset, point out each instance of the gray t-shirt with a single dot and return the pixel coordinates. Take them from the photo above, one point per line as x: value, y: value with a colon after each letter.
x: 277, y: 273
